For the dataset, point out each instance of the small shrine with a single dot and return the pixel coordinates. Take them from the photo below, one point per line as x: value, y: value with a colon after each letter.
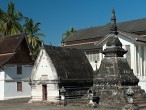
x: 115, y: 76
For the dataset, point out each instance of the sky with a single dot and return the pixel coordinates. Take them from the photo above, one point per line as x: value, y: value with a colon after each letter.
x: 57, y: 16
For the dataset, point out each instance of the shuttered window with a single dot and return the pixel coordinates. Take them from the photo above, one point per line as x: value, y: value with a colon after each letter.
x: 19, y: 86
x: 19, y: 69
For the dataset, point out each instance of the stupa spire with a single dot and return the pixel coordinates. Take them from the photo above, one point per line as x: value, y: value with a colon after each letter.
x: 113, y: 27
x: 113, y: 45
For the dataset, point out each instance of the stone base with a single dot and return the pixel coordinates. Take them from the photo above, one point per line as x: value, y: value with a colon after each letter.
x: 92, y: 104
x: 115, y: 95
x: 130, y: 107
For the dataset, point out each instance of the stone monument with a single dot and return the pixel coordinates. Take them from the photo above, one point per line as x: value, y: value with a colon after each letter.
x: 115, y: 76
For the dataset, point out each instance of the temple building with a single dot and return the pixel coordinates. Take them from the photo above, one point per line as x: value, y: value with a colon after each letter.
x: 16, y: 63
x: 57, y: 67
x: 132, y: 36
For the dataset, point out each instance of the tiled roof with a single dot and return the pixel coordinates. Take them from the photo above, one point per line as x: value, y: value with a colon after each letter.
x: 9, y: 46
x: 70, y: 64
x: 100, y: 31
x: 5, y: 58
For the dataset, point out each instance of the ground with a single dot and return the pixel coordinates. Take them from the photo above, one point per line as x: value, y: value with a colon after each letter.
x: 21, y: 104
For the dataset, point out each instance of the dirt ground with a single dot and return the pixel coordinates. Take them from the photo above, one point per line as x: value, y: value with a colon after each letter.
x: 21, y: 104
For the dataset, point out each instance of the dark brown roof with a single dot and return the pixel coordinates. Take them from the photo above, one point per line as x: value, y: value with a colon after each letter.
x: 5, y: 58
x: 70, y: 63
x: 8, y: 47
x: 100, y: 31
x: 10, y: 44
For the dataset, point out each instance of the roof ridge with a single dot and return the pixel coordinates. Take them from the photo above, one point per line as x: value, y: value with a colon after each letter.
x: 99, y: 26
x: 11, y: 36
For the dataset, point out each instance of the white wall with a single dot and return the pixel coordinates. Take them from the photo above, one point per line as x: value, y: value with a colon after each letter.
x: 52, y: 92
x: 11, y: 90
x: 2, y: 76
x: 44, y: 70
x: 11, y: 72
x: 11, y: 79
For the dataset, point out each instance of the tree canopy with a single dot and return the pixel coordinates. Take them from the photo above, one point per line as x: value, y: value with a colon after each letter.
x: 11, y: 24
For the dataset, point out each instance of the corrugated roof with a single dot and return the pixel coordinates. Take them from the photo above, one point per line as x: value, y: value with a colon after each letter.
x: 100, y: 31
x: 70, y: 63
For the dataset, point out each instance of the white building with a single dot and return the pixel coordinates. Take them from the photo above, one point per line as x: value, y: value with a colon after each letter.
x: 15, y: 67
x: 132, y: 36
x: 58, y: 67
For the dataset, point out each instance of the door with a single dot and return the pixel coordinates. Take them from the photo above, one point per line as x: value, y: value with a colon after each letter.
x: 44, y: 91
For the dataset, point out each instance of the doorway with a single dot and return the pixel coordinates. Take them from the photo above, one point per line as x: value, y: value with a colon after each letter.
x: 44, y: 91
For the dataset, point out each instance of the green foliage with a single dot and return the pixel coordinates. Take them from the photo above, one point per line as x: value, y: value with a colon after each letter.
x: 10, y: 21
x: 31, y: 29
x: 68, y: 33
x: 10, y: 24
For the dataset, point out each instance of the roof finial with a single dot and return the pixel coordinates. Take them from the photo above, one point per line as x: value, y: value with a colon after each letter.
x: 113, y: 26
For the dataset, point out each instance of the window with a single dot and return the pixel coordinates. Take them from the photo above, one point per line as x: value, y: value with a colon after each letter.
x: 19, y: 86
x: 19, y: 69
x: 92, y: 55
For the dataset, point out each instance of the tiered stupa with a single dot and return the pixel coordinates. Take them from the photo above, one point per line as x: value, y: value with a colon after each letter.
x: 115, y: 75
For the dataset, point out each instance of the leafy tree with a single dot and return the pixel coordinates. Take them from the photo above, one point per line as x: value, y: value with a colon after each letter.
x: 31, y: 29
x: 10, y: 21
x: 10, y: 24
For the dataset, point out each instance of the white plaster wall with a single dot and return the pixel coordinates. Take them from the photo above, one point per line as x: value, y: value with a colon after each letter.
x: 142, y: 82
x: 2, y: 77
x: 1, y: 90
x: 11, y: 79
x: 11, y: 72
x: 52, y: 92
x: 44, y: 68
x: 94, y: 65
x: 10, y: 90
x: 36, y: 93
x: 26, y: 71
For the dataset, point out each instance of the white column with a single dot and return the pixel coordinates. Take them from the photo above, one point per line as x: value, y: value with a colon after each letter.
x: 145, y: 62
x: 133, y: 58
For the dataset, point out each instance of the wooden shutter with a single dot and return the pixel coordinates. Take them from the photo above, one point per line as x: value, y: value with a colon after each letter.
x: 19, y: 69
x: 19, y: 86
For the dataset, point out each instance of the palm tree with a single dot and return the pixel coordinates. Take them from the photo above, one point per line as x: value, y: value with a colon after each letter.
x: 10, y: 20
x: 68, y: 33
x: 31, y: 29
